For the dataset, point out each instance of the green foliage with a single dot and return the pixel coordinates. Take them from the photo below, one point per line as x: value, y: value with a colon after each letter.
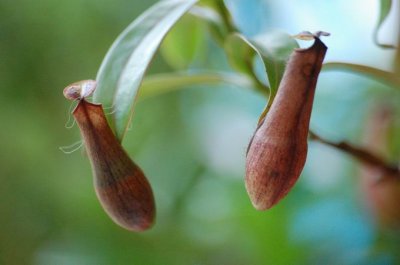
x: 125, y: 64
x: 385, y: 7
x: 164, y: 83
x: 388, y: 78
x: 240, y: 53
x: 184, y: 42
x: 190, y: 143
x: 273, y: 49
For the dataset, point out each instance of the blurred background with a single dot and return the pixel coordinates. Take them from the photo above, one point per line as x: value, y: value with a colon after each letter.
x: 191, y: 143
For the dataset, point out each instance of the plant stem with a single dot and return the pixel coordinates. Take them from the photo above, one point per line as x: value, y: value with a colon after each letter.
x: 225, y: 15
x: 360, y: 154
x: 397, y: 54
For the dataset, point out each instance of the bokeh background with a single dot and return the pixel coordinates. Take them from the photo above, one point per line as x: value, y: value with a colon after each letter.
x: 191, y: 143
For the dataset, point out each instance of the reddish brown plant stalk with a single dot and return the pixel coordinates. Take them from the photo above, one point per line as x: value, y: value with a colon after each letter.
x: 361, y: 154
x: 278, y: 150
x: 381, y: 187
x: 120, y: 184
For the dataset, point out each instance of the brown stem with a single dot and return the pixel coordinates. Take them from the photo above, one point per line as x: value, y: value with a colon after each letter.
x: 360, y: 154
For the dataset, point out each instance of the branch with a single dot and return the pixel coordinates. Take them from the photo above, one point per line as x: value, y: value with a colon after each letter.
x: 362, y: 155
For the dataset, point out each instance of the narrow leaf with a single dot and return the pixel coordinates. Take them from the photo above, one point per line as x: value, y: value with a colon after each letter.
x: 163, y: 83
x: 240, y: 53
x: 125, y: 64
x: 385, y: 6
x: 273, y: 49
x: 183, y: 42
x: 214, y: 21
x: 382, y: 76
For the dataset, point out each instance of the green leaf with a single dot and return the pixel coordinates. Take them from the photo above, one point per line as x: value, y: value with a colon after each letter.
x: 163, y: 83
x: 126, y: 62
x: 385, y: 6
x: 214, y: 21
x: 273, y: 49
x: 183, y: 42
x: 382, y: 76
x: 240, y: 53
